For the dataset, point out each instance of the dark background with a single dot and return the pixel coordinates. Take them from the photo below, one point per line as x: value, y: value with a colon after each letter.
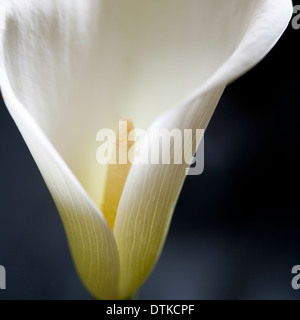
x: 235, y: 233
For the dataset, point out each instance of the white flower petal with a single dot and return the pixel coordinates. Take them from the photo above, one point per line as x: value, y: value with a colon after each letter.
x: 92, y: 243
x: 150, y: 195
x: 151, y: 191
x: 82, y: 65
x: 66, y: 61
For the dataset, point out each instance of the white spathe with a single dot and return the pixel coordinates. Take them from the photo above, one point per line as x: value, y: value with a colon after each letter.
x: 69, y: 68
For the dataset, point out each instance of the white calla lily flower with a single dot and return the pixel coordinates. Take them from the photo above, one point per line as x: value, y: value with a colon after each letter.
x: 71, y: 67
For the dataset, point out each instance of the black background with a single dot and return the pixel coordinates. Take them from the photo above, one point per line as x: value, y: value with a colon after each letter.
x: 235, y: 231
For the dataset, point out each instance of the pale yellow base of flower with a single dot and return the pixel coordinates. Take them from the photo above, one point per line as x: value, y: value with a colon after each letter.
x: 116, y: 176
